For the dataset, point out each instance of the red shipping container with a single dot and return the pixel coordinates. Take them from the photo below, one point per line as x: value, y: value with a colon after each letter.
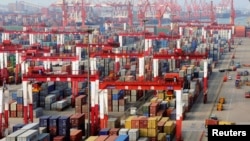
x: 122, y: 102
x: 153, y: 138
x: 59, y: 138
x: 19, y: 114
x: 114, y: 131
x: 53, y: 131
x: 13, y: 114
x: 161, y: 113
x: 135, y: 122
x: 75, y: 135
x: 153, y: 109
x: 111, y: 138
x: 19, y: 107
x: 110, y: 109
x: 143, y: 122
x: 77, y: 119
x: 81, y: 99
x: 160, y: 126
x: 78, y: 109
x: 85, y: 108
x: 102, y: 138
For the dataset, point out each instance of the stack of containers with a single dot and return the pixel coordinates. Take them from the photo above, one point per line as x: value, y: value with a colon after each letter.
x: 35, y: 96
x: 64, y: 127
x: 110, y: 103
x: 20, y: 103
x: 152, y: 127
x: 13, y: 109
x: 67, y: 92
x: 77, y: 121
x: 113, y: 123
x: 44, y: 122
x: 44, y: 90
x: 117, y: 98
x: 85, y: 108
x: 80, y: 100
x: 153, y: 109
x: 53, y: 126
x: 145, y: 109
x: 57, y: 93
x: 37, y: 112
x: 49, y: 99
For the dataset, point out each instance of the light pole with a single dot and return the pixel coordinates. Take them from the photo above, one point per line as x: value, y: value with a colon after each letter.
x: 144, y: 48
x: 89, y: 31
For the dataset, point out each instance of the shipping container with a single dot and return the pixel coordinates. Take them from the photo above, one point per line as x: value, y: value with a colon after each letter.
x: 31, y: 126
x: 44, y: 121
x: 29, y: 135
x: 43, y: 137
x: 13, y: 136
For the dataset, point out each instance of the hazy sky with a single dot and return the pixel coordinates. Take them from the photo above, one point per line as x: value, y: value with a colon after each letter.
x: 243, y: 4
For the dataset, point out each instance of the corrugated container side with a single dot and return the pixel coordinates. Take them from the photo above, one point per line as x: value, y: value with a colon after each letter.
x: 29, y: 135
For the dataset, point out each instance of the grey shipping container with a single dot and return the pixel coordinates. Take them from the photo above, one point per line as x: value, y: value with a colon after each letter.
x: 43, y: 137
x: 29, y: 135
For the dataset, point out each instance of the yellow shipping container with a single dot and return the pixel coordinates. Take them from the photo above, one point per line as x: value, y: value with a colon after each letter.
x: 168, y: 127
x: 158, y: 118
x: 164, y: 119
x: 154, y: 100
x: 226, y: 123
x: 91, y: 138
x: 161, y: 95
x: 152, y: 132
x: 128, y: 122
x: 161, y: 137
x: 143, y: 132
x: 152, y: 122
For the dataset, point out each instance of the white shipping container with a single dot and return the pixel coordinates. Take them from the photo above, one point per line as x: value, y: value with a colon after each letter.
x: 61, y: 104
x: 50, y: 99
x: 13, y: 106
x: 42, y: 130
x: 133, y: 134
x: 13, y: 136
x: 29, y: 135
x: 31, y: 126
x: 123, y: 131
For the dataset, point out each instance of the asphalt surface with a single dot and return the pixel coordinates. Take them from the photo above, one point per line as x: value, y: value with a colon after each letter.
x: 236, y: 104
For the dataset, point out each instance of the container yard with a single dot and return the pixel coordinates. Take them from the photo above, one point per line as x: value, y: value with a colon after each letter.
x: 78, y: 71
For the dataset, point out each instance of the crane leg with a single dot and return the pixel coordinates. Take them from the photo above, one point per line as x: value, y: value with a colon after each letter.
x: 31, y: 112
x: 1, y: 123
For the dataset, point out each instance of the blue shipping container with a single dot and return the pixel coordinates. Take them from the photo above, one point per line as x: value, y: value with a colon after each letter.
x: 115, y: 96
x: 17, y: 126
x: 64, y: 121
x: 104, y: 131
x: 122, y: 138
x: 14, y: 96
x: 53, y: 121
x: 19, y: 100
x: 64, y: 131
x: 44, y: 121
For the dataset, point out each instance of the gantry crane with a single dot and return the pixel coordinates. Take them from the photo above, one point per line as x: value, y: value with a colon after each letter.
x: 45, y: 75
